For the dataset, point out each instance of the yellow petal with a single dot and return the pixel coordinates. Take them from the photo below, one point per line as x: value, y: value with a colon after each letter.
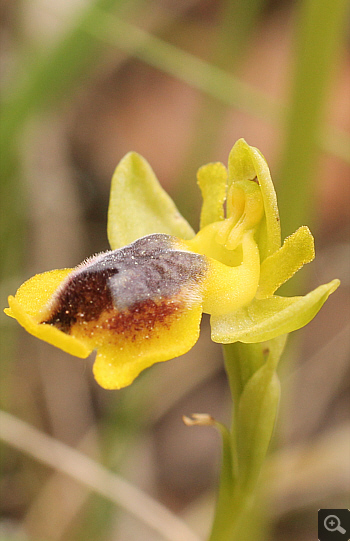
x: 26, y: 306
x: 212, y: 180
x: 121, y: 358
x: 297, y: 250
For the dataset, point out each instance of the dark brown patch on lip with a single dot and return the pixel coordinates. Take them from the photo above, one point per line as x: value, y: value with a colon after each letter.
x: 84, y: 298
x: 136, y: 285
x: 139, y: 322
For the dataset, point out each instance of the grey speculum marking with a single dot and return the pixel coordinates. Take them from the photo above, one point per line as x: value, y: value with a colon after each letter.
x: 149, y: 268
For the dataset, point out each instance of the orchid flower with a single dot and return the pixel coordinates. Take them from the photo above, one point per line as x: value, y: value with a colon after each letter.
x: 142, y: 302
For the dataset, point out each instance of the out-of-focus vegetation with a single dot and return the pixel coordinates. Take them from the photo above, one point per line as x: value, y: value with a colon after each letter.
x: 86, y: 81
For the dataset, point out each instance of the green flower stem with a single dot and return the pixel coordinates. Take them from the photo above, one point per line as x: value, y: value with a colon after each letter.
x: 222, y: 521
x: 251, y: 371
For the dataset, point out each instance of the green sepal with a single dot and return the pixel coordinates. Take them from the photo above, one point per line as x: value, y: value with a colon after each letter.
x: 247, y: 163
x: 264, y: 319
x: 212, y: 180
x: 139, y: 206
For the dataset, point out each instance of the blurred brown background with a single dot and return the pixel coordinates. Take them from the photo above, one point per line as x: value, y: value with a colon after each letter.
x: 66, y: 128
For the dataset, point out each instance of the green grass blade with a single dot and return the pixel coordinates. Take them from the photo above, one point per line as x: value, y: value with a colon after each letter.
x: 202, y: 75
x: 320, y: 33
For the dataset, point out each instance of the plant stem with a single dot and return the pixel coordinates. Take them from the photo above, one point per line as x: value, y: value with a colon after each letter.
x: 251, y: 371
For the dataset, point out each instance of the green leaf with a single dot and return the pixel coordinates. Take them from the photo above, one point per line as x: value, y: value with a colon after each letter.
x: 139, y: 206
x: 274, y: 349
x: 255, y: 421
x: 267, y: 318
x: 247, y: 163
x: 297, y: 250
x: 212, y: 180
x: 243, y: 360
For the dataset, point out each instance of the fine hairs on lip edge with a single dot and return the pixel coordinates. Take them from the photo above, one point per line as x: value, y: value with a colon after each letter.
x: 148, y: 270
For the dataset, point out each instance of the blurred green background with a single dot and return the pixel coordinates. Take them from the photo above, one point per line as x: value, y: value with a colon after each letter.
x: 84, y: 82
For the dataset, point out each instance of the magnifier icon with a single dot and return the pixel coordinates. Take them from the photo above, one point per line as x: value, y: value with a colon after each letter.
x: 332, y: 524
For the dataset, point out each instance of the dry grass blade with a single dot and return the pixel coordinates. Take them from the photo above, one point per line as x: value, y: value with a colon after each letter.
x: 83, y: 469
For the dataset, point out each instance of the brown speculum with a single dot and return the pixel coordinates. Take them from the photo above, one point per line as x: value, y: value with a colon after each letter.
x: 131, y: 287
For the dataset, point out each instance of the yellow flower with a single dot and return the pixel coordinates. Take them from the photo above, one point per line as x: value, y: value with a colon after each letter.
x: 142, y: 302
